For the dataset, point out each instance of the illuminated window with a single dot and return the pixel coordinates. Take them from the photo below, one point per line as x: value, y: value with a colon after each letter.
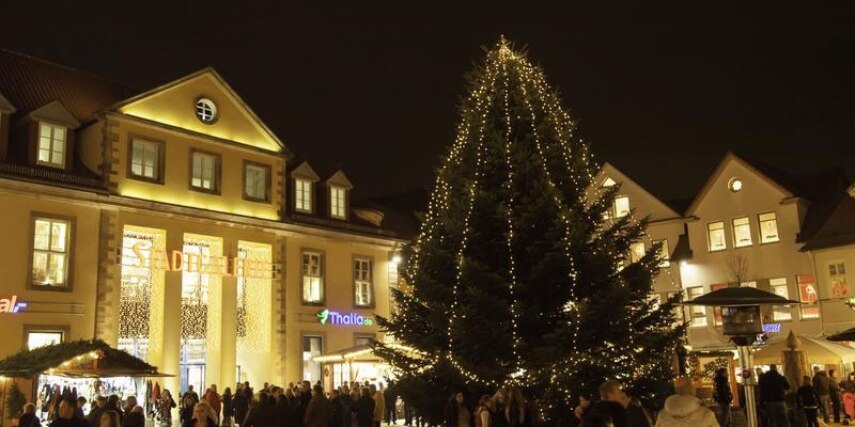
x: 778, y: 287
x: 256, y: 179
x: 697, y: 313
x: 256, y: 182
x: 752, y: 284
x: 837, y: 279
x: 362, y: 282
x: 337, y: 202
x: 609, y: 182
x: 664, y: 253
x: 636, y: 251
x: 768, y: 228
x: 303, y: 195
x: 206, y: 110
x: 206, y: 170
x: 50, y: 252
x: 715, y: 236
x: 741, y: 232
x: 146, y: 159
x: 51, y: 145
x: 36, y: 339
x: 312, y: 346
x: 313, y: 278
x: 621, y: 206
x: 363, y: 340
x: 717, y: 319
x: 808, y: 296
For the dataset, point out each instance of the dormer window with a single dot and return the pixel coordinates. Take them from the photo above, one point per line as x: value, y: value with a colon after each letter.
x: 337, y: 202
x: 303, y: 195
x: 51, y: 151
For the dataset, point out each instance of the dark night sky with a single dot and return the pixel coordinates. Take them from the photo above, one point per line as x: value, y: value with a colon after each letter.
x: 662, y: 89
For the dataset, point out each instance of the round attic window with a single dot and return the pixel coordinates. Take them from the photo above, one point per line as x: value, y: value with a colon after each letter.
x: 206, y: 111
x: 735, y: 184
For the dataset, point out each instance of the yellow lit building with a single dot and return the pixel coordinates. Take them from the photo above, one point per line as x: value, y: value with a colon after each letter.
x: 173, y: 224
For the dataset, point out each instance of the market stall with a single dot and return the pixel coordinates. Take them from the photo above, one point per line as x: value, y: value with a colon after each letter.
x: 72, y: 369
x: 818, y: 352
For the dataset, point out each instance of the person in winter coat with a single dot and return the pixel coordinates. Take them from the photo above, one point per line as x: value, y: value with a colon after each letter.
x: 134, y: 417
x: 723, y: 396
x: 379, y: 405
x: 29, y: 419
x: 773, y: 387
x: 318, y: 412
x: 364, y: 409
x: 457, y: 413
x: 834, y: 395
x: 823, y: 389
x: 263, y: 414
x: 213, y: 399
x: 685, y: 409
x: 337, y: 409
x: 204, y: 415
x: 808, y: 401
x: 228, y: 408
x: 241, y: 405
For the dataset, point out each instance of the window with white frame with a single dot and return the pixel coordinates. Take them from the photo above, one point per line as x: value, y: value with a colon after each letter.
x: 37, y: 339
x: 313, y: 277
x: 808, y: 296
x: 50, y: 252
x: 837, y: 279
x: 768, y: 228
x: 636, y: 251
x: 362, y: 282
x: 742, y: 232
x: 621, y: 206
x: 715, y: 236
x: 145, y: 159
x: 664, y: 253
x: 255, y: 180
x: 52, y: 142
x: 303, y: 195
x: 205, y: 171
x: 337, y: 201
x: 778, y: 286
x: 697, y: 313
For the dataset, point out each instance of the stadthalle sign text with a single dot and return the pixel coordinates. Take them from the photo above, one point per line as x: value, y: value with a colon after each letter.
x: 143, y: 255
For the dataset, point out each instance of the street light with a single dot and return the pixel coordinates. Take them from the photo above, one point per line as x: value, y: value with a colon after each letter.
x: 742, y: 322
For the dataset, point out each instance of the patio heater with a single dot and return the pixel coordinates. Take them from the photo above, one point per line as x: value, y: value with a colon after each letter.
x: 742, y: 322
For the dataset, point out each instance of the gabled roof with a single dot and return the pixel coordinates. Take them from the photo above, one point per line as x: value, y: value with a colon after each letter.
x: 837, y: 228
x: 753, y: 167
x: 340, y: 179
x: 128, y: 104
x: 29, y: 83
x: 304, y: 170
x: 55, y: 112
x: 609, y: 170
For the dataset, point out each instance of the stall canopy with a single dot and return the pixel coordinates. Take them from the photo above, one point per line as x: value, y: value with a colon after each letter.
x: 847, y: 335
x: 76, y: 359
x: 817, y: 351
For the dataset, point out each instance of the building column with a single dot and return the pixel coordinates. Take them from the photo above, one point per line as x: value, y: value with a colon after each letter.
x: 228, y: 348
x: 172, y: 322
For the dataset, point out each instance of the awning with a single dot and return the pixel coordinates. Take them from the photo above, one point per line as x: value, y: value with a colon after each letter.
x: 359, y: 353
x: 77, y: 359
x: 816, y: 350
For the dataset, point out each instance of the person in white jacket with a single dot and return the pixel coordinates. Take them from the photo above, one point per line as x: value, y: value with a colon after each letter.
x: 685, y: 409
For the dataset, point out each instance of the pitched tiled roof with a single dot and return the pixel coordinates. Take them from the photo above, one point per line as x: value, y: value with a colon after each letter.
x: 837, y: 228
x: 29, y: 83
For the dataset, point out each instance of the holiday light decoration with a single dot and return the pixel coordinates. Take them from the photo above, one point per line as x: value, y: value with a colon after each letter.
x: 254, y: 292
x: 516, y: 278
x: 140, y: 310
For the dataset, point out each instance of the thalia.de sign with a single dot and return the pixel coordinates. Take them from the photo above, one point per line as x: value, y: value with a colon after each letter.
x: 330, y: 317
x: 11, y: 305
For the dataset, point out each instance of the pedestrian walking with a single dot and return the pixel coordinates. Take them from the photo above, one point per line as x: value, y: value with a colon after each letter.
x: 364, y: 409
x: 808, y: 401
x: 823, y: 390
x: 773, y: 387
x: 318, y: 412
x: 228, y: 407
x: 723, y: 396
x: 834, y: 395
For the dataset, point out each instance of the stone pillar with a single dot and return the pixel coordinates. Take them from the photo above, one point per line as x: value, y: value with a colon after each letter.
x: 109, y: 277
x: 228, y: 347
x: 172, y: 322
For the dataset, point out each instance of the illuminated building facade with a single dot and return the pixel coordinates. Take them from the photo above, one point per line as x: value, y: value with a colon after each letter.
x: 173, y: 224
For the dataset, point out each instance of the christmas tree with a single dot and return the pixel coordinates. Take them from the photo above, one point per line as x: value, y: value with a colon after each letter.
x: 520, y: 276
